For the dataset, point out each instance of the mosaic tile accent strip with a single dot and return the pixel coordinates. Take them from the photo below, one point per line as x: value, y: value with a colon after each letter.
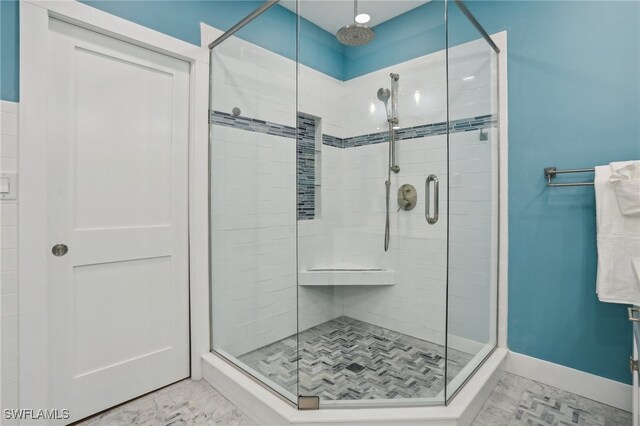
x: 424, y: 130
x: 252, y: 124
x: 455, y: 126
x: 347, y: 359
x: 332, y: 141
x: 306, y: 167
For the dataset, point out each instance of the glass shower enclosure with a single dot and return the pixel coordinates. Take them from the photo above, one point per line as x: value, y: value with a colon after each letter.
x: 354, y: 201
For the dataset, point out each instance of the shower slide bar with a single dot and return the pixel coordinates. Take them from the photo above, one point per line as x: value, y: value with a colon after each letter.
x: 551, y: 172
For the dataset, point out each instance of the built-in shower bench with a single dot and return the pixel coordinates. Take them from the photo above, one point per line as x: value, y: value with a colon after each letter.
x: 332, y: 276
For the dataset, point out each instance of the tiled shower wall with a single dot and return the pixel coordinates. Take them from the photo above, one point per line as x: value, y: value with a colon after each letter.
x: 418, y: 251
x: 253, y: 203
x: 254, y: 243
x: 9, y: 260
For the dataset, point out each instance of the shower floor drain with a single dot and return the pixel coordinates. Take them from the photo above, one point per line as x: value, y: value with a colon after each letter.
x: 355, y: 367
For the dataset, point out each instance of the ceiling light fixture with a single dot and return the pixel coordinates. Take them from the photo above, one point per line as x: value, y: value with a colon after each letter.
x: 363, y: 18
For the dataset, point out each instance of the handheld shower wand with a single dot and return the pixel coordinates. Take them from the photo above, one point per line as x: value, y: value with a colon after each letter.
x: 383, y: 96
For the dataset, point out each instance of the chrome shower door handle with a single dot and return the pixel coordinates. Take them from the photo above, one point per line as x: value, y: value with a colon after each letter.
x: 427, y: 198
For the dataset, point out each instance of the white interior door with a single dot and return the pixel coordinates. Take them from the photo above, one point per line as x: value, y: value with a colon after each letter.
x: 118, y: 191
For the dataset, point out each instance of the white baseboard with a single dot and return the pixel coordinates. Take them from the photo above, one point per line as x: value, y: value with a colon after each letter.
x: 584, y: 384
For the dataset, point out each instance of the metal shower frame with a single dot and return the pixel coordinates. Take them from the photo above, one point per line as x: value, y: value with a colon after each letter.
x: 270, y: 3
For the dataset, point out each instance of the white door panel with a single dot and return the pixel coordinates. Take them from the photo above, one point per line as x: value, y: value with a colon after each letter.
x: 107, y: 300
x: 123, y: 143
x: 118, y: 187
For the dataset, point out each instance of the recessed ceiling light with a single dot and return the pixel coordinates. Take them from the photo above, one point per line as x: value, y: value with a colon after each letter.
x: 363, y: 18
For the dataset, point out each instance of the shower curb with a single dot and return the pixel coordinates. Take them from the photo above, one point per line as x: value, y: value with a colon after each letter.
x: 265, y: 408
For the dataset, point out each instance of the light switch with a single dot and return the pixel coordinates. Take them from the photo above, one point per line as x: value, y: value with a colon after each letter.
x: 8, y: 185
x: 4, y: 185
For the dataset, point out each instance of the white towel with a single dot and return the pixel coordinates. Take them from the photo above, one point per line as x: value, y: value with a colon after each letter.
x: 618, y: 242
x: 625, y: 179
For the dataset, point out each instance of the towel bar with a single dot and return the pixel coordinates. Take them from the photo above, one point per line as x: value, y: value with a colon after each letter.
x: 551, y: 172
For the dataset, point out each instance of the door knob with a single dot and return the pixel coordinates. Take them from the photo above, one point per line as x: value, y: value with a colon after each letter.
x: 59, y: 250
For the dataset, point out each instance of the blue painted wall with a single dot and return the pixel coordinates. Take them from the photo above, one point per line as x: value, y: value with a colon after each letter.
x: 416, y: 33
x: 574, y: 101
x: 274, y: 30
x: 9, y: 52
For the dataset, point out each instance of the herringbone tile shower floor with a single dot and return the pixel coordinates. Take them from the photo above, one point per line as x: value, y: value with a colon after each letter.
x: 347, y: 359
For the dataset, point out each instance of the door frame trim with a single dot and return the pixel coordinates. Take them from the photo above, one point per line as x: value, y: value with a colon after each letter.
x: 33, y: 253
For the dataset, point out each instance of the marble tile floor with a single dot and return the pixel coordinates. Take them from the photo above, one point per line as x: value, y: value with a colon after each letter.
x: 518, y: 401
x: 348, y: 359
x: 187, y: 402
x: 515, y: 401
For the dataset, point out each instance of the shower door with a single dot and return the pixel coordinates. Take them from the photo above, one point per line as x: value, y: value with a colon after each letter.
x: 253, y: 203
x: 473, y: 196
x: 371, y: 321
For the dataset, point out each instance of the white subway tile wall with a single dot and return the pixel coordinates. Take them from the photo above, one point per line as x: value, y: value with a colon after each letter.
x: 9, y: 261
x: 416, y: 304
x: 254, y: 286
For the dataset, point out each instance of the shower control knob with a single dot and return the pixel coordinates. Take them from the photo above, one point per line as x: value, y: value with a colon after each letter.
x: 59, y: 250
x: 404, y: 205
x: 407, y: 197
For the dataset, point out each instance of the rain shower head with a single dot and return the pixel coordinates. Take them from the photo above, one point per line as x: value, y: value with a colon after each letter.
x: 384, y: 95
x: 355, y: 34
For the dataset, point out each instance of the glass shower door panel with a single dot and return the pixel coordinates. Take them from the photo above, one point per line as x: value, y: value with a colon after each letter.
x: 253, y: 204
x: 372, y: 321
x: 473, y: 199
